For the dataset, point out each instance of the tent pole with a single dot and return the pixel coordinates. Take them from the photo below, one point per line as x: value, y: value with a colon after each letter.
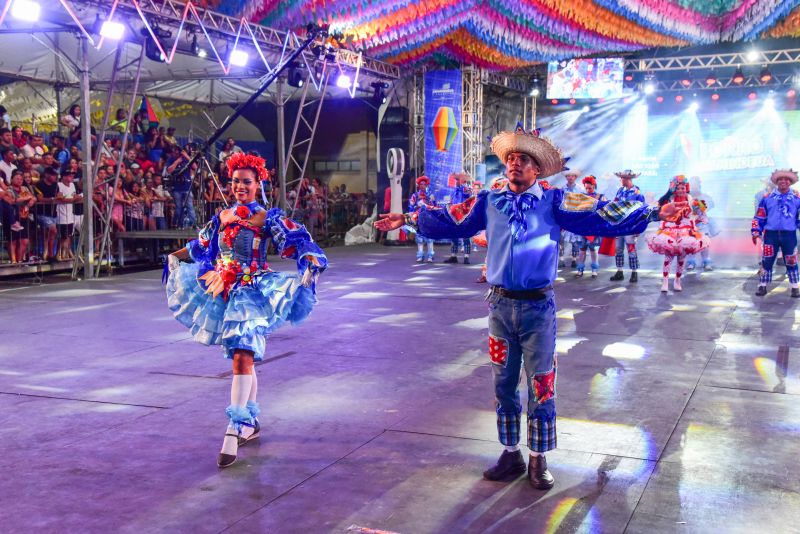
x: 88, y: 182
x: 280, y: 104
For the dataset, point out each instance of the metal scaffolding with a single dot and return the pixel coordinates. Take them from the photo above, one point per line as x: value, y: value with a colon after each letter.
x: 472, y: 117
x: 417, y: 158
x: 714, y: 61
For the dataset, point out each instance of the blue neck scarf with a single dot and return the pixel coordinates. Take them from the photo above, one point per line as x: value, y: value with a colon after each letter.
x: 784, y: 203
x: 515, y: 206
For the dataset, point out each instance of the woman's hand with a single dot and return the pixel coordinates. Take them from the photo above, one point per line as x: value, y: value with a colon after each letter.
x: 390, y: 221
x: 674, y: 211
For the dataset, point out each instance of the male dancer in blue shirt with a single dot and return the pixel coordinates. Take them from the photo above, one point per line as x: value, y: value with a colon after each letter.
x: 523, y: 225
x: 627, y: 193
x: 776, y: 222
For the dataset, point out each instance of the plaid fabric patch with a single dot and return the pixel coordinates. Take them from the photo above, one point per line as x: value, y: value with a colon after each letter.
x: 633, y: 260
x: 616, y: 211
x: 459, y: 212
x: 578, y: 202
x: 508, y: 428
x: 754, y: 226
x: 791, y: 260
x: 541, y: 434
x: 769, y: 251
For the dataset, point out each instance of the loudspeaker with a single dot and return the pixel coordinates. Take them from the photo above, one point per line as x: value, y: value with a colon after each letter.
x: 393, y: 133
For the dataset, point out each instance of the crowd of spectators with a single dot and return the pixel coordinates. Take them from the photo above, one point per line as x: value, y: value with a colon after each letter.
x: 41, y: 187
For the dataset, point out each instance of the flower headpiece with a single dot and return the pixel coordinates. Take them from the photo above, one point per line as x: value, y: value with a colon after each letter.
x: 547, y: 156
x: 423, y: 178
x: 589, y: 180
x: 240, y: 160
x: 679, y: 179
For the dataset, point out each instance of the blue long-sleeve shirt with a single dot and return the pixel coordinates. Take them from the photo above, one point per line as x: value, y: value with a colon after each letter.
x: 634, y: 194
x: 530, y: 261
x: 777, y: 211
x: 420, y: 198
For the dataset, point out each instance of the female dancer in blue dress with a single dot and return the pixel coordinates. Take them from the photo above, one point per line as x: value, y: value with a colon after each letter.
x: 228, y: 296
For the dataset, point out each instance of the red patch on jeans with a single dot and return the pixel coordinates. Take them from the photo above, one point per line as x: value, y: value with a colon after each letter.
x: 544, y: 385
x: 761, y: 213
x: 754, y: 226
x: 631, y: 247
x: 498, y: 350
x: 791, y: 260
x: 769, y: 251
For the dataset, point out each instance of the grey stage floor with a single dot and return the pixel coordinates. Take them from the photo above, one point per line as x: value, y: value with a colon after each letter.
x: 677, y: 412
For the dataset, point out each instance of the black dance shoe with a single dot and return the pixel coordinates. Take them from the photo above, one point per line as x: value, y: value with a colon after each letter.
x: 796, y: 293
x: 510, y: 464
x: 227, y: 460
x: 634, y: 277
x: 466, y: 260
x: 451, y: 259
x: 256, y: 431
x: 761, y: 291
x: 617, y: 277
x: 538, y: 474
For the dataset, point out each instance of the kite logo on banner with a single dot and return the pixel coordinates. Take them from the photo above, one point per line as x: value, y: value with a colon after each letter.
x: 443, y: 137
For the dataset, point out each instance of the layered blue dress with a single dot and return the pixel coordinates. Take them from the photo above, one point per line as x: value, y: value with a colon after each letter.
x: 256, y: 300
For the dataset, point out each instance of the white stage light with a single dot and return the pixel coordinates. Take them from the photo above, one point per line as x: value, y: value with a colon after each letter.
x: 534, y: 92
x: 752, y: 55
x: 649, y: 88
x: 202, y: 53
x: 112, y: 30
x: 694, y: 106
x: 343, y: 81
x: 769, y: 103
x: 585, y: 109
x: 239, y: 58
x: 27, y: 10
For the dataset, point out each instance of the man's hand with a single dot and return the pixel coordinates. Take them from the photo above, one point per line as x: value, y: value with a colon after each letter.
x: 389, y: 221
x: 674, y: 211
x: 308, y: 278
x: 756, y: 239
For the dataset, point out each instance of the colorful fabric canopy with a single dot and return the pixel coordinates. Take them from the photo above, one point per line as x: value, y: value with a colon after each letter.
x: 504, y: 34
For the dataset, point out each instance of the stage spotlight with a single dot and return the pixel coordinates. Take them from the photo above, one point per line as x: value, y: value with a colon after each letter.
x: 534, y: 92
x: 694, y: 106
x: 752, y: 55
x: 295, y: 76
x: 572, y: 101
x: 649, y: 88
x: 151, y: 49
x: 738, y: 77
x: 26, y: 10
x: 629, y: 77
x: 679, y: 98
x: 202, y: 53
x: 195, y: 48
x: 711, y: 79
x: 554, y: 101
x: 379, y: 93
x: 752, y: 96
x: 659, y: 99
x: 769, y: 103
x: 715, y: 97
x: 686, y: 81
x: 765, y: 76
x: 112, y: 30
x: 791, y: 93
x: 585, y: 109
x: 343, y: 81
x: 239, y: 58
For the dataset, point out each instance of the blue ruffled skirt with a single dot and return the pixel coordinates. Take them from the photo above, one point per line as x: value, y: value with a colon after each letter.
x: 250, y: 313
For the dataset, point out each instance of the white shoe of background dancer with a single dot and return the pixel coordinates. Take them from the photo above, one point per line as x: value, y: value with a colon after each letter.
x: 677, y: 286
x: 665, y: 285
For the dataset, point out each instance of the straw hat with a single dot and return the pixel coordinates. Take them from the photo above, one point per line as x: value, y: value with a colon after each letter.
x: 546, y: 155
x: 627, y: 173
x: 781, y: 173
x: 572, y: 172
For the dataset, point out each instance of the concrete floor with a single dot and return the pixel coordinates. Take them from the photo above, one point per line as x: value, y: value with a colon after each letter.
x: 677, y: 412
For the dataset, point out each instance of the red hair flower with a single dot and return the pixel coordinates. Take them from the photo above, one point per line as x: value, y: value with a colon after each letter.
x: 240, y: 160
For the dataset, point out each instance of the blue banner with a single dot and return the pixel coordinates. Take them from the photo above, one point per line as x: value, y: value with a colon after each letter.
x: 443, y: 139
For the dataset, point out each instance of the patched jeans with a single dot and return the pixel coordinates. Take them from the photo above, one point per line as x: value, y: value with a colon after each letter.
x: 522, y: 335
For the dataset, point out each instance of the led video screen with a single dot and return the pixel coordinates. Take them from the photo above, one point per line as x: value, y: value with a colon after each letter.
x: 585, y: 78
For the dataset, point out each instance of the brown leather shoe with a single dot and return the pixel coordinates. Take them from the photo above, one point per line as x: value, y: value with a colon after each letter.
x: 538, y: 474
x: 510, y: 464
